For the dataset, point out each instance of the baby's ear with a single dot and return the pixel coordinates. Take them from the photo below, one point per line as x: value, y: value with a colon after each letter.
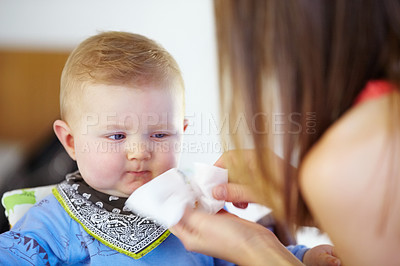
x: 64, y: 135
x: 185, y: 124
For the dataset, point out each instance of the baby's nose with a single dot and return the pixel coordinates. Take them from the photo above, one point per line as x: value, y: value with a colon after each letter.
x: 139, y: 151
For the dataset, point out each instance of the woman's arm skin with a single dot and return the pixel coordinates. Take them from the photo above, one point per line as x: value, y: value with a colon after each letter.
x: 231, y: 238
x: 344, y: 180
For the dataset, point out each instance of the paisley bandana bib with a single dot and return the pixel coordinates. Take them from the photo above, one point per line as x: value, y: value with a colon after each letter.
x: 107, y: 219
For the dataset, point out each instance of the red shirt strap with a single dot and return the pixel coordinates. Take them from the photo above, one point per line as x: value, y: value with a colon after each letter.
x: 374, y: 89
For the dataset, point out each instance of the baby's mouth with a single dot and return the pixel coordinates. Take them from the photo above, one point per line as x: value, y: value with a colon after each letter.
x: 140, y: 174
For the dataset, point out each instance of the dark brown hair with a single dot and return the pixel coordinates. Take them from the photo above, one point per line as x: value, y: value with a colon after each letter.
x: 298, y: 57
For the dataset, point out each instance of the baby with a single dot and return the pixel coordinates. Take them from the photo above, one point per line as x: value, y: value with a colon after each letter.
x: 122, y: 111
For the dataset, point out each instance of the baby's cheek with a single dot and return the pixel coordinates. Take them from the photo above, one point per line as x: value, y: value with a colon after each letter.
x: 108, y: 162
x: 165, y: 161
x: 100, y: 167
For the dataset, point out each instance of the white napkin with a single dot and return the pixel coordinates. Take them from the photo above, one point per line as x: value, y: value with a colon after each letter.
x: 166, y: 197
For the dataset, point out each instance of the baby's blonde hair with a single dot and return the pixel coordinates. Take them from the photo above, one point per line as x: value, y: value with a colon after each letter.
x: 116, y: 58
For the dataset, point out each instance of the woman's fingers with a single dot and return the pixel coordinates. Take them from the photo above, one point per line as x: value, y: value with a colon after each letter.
x: 241, y: 205
x: 229, y: 237
x: 220, y: 162
x: 196, y: 229
x: 238, y: 194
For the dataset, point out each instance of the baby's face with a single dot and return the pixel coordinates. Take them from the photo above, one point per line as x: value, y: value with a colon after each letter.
x: 126, y: 137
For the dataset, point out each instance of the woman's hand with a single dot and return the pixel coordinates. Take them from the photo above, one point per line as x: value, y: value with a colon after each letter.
x: 239, y: 195
x: 231, y: 238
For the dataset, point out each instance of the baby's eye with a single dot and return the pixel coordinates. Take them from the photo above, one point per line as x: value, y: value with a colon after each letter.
x: 159, y: 135
x: 117, y: 136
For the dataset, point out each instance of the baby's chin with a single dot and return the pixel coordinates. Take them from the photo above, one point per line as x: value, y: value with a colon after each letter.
x: 127, y: 190
x: 122, y: 193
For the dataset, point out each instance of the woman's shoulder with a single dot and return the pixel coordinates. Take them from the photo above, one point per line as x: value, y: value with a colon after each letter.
x: 369, y: 119
x: 362, y: 132
x: 343, y: 177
